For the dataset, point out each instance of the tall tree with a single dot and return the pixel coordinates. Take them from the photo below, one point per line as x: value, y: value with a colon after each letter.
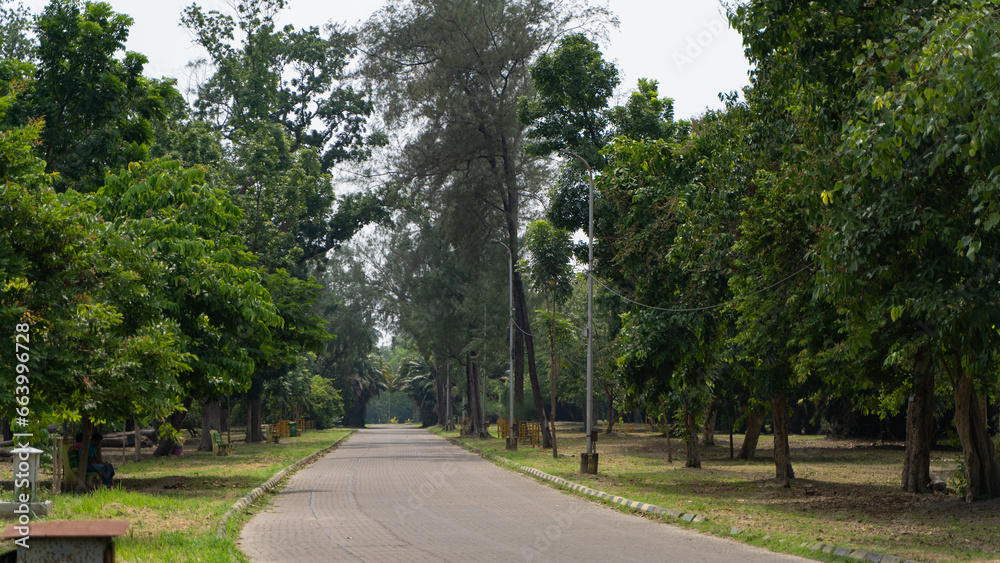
x: 282, y: 99
x: 455, y: 70
x: 920, y: 158
x: 86, y: 302
x: 550, y: 274
x: 212, y: 288
x: 890, y: 171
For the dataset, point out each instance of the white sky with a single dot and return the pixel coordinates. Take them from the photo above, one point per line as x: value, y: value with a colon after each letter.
x: 684, y: 44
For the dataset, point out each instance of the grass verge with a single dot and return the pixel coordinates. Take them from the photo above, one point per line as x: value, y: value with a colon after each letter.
x: 846, y: 493
x: 174, y: 504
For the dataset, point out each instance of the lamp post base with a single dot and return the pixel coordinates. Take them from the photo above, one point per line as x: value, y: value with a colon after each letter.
x: 588, y: 463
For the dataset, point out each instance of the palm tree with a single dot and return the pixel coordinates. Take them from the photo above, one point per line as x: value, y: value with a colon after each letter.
x: 367, y: 380
x: 416, y: 381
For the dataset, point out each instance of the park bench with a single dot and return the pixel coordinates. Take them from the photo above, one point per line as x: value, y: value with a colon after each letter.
x: 503, y: 428
x: 531, y: 431
x: 281, y: 429
x: 218, y: 446
x: 69, y: 472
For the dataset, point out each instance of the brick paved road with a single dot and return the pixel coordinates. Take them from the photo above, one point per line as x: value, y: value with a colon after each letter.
x: 400, y: 494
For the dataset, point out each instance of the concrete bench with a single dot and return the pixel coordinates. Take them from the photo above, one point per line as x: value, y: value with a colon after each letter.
x: 67, y: 540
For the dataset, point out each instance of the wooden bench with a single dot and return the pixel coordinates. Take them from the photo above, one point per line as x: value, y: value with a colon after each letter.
x: 218, y: 446
x: 503, y: 428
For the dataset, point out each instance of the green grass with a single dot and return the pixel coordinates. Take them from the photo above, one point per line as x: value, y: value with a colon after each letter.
x: 173, y: 504
x: 856, y: 500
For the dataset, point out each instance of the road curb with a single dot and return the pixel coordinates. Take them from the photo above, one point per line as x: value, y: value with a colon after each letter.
x: 845, y: 552
x: 628, y: 503
x: 270, y: 484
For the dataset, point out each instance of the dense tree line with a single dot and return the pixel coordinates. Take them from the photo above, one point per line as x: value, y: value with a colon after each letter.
x: 165, y: 256
x: 828, y: 239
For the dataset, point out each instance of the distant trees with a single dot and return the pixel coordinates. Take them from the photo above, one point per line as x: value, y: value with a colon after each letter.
x: 455, y: 72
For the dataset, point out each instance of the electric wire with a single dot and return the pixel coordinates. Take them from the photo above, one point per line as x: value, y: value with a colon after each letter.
x: 697, y: 309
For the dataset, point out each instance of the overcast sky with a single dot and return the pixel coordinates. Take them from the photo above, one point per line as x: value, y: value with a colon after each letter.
x: 684, y: 44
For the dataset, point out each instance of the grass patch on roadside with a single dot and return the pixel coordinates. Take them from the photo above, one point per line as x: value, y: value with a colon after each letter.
x: 846, y: 493
x: 174, y: 504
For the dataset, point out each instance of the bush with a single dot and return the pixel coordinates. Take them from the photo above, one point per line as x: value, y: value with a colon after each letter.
x: 325, y: 402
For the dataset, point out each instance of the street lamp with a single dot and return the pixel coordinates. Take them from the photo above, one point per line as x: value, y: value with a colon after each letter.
x: 588, y: 460
x: 511, y: 440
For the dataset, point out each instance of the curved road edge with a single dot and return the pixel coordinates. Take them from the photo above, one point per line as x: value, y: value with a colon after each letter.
x: 270, y: 484
x: 633, y: 504
x: 846, y: 552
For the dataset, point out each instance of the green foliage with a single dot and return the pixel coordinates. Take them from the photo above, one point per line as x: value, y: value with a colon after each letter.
x: 98, y: 340
x: 548, y: 271
x: 292, y: 78
x: 281, y: 98
x: 98, y: 108
x: 15, y: 33
x: 211, y: 289
x: 573, y: 83
x: 646, y: 116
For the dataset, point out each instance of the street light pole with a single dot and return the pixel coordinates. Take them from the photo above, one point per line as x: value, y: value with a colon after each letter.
x: 591, y: 454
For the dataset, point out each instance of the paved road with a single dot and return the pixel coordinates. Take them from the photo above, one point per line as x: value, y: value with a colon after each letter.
x: 400, y: 494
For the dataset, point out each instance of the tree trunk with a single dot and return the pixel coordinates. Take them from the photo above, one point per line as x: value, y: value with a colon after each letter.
x: 691, y: 439
x: 732, y: 419
x: 708, y: 431
x: 428, y: 414
x: 782, y: 457
x: 448, y: 400
x: 982, y: 471
x: 919, y: 426
x: 553, y: 372
x: 524, y: 322
x: 137, y: 438
x: 225, y: 416
x: 755, y: 420
x: 210, y: 420
x: 175, y: 420
x: 86, y: 428
x: 255, y: 411
x: 518, y: 361
x: 472, y: 387
x: 612, y: 414
x: 439, y: 395
x: 666, y: 429
x: 5, y: 430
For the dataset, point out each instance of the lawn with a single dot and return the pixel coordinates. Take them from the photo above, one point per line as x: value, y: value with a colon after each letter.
x: 174, y: 504
x: 846, y: 492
